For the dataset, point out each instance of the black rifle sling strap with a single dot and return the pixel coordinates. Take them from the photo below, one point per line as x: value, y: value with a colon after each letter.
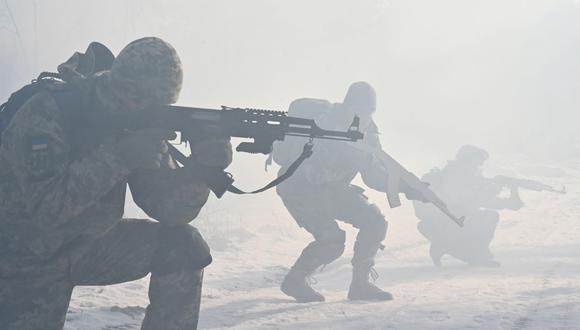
x: 221, y: 182
x: 306, y: 152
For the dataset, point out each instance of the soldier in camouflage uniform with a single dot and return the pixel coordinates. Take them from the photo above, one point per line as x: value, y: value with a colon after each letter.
x: 62, y: 193
x: 320, y: 192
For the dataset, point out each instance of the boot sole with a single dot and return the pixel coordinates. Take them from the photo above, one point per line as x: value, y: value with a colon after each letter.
x: 301, y: 299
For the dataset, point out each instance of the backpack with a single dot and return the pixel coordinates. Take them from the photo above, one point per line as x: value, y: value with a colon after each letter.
x: 285, y: 152
x: 77, y: 68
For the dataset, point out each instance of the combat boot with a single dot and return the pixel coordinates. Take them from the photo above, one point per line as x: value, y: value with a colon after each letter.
x: 362, y: 289
x: 367, y: 291
x: 296, y: 285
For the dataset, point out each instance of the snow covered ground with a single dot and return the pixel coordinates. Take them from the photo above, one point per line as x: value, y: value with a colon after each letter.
x: 537, y: 287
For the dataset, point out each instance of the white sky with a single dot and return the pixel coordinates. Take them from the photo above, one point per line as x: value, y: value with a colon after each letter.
x: 502, y: 74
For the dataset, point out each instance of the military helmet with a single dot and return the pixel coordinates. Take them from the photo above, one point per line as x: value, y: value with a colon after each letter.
x: 362, y: 97
x: 148, y: 69
x: 472, y: 153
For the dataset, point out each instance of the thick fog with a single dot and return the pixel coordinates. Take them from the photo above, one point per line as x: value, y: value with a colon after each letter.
x: 502, y: 75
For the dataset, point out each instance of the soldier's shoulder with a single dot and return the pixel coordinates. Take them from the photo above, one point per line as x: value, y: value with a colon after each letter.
x: 37, y: 104
x: 39, y: 108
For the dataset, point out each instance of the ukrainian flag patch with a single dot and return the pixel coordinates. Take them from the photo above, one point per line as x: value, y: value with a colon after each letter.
x: 40, y: 161
x: 39, y: 144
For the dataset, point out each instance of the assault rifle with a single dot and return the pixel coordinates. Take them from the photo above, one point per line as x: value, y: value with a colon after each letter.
x: 262, y: 126
x: 515, y: 183
x: 398, y: 175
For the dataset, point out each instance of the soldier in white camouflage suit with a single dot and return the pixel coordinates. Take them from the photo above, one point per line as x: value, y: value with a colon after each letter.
x: 320, y: 192
x: 467, y: 191
x: 62, y: 193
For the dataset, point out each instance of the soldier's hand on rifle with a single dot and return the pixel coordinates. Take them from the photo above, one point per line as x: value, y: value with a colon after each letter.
x: 144, y: 148
x: 213, y: 152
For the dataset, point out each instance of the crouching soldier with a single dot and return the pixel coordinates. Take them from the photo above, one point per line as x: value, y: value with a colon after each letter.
x: 62, y: 194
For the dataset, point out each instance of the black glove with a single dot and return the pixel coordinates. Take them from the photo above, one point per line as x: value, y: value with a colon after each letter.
x: 144, y: 148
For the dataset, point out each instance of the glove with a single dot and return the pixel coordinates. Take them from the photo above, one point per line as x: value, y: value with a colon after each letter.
x: 213, y: 152
x: 144, y: 148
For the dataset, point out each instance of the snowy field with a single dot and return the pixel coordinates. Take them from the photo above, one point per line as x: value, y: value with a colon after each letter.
x: 537, y: 287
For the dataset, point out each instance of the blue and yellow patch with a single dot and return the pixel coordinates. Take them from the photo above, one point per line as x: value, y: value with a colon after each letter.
x: 40, y: 160
x: 39, y: 144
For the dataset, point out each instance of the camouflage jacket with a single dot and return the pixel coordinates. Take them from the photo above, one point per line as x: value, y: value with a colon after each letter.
x: 62, y: 185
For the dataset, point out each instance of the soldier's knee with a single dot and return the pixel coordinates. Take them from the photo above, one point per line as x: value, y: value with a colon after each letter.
x: 331, y: 244
x: 180, y: 248
x: 374, y: 224
x: 336, y: 235
x: 379, y: 230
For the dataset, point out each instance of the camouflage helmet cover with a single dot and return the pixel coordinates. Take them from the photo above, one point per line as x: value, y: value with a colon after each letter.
x: 148, y: 69
x: 361, y: 96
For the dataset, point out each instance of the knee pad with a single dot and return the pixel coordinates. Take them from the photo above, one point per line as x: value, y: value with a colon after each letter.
x: 328, y: 252
x: 180, y: 248
x: 330, y: 245
x: 331, y: 236
x: 381, y: 227
x: 374, y: 227
x: 368, y: 242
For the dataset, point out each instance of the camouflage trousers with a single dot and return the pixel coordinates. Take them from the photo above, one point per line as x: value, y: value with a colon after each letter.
x: 317, y: 211
x: 37, y: 297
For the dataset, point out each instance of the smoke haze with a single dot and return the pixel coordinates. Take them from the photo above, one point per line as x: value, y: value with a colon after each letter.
x: 500, y: 74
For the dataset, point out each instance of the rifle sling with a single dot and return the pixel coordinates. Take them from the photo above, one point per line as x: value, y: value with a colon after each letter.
x: 306, y: 152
